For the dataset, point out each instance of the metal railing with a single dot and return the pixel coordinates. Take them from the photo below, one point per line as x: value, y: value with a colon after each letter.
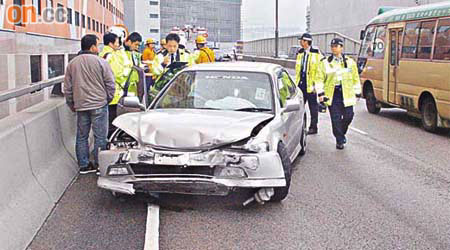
x: 33, y: 87
x: 266, y: 47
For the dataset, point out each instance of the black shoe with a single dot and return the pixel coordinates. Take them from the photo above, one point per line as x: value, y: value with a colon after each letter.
x: 89, y: 169
x: 340, y: 146
x: 312, y: 131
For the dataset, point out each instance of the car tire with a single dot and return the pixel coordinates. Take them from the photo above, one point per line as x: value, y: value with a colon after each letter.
x: 280, y: 193
x: 371, y: 102
x: 429, y: 115
x: 304, y: 136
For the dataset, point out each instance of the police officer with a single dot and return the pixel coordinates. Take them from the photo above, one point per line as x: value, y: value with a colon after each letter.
x: 308, y: 60
x: 338, y: 85
x: 172, y: 54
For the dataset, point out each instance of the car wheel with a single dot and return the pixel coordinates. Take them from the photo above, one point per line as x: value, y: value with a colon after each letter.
x: 303, y: 137
x: 281, y: 192
x: 371, y: 102
x: 429, y: 115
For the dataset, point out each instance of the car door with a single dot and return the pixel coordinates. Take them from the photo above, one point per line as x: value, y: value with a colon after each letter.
x: 291, y: 120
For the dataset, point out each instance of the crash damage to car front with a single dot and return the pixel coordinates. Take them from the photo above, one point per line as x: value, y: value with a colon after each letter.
x: 201, y: 152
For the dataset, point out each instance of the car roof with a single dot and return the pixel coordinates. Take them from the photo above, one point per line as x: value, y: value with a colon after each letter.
x: 236, y: 66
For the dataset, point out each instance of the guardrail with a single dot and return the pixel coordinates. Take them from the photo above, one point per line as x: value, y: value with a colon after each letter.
x: 18, y: 92
x: 266, y: 47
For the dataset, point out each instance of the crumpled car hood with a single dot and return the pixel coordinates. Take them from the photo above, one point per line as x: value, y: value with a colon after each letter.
x: 187, y: 128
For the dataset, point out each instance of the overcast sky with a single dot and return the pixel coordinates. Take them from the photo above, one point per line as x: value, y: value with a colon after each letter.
x: 258, y: 17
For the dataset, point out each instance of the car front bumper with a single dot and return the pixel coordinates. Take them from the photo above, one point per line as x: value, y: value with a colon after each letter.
x: 144, y: 176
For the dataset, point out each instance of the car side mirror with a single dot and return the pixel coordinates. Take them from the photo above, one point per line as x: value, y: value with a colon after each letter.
x: 291, y: 106
x: 132, y: 102
x: 362, y: 35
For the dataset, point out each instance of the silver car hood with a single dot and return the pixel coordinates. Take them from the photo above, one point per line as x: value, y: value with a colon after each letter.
x: 189, y: 128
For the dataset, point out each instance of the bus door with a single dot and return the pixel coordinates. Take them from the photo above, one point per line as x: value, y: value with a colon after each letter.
x: 395, y: 40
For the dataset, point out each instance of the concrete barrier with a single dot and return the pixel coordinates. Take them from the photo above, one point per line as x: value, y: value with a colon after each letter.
x: 290, y: 64
x: 35, y: 170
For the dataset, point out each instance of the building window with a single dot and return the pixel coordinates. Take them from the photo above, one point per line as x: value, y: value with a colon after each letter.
x: 154, y: 30
x: 77, y: 18
x: 153, y: 3
x: 89, y: 23
x: 93, y: 24
x: 426, y: 39
x: 154, y: 15
x: 442, y: 43
x: 36, y: 70
x: 96, y: 24
x: 69, y: 15
x: 55, y: 65
x: 83, y: 21
x: 50, y: 3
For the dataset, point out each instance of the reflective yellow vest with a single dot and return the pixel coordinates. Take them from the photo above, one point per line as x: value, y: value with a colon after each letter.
x: 121, y: 66
x: 158, y: 69
x: 333, y: 72
x: 314, y: 57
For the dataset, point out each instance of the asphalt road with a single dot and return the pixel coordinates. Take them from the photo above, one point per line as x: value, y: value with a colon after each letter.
x: 389, y: 189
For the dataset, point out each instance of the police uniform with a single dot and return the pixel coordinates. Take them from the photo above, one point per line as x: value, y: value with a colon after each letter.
x: 308, y: 61
x: 338, y: 81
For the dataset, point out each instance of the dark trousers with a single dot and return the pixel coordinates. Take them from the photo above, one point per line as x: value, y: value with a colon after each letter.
x: 311, y: 99
x: 112, y: 112
x: 341, y: 116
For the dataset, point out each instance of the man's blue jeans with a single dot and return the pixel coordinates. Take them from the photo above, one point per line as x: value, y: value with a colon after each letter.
x: 98, y: 120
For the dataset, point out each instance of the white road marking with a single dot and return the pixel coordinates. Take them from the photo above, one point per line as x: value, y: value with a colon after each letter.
x: 152, y: 228
x: 358, y: 131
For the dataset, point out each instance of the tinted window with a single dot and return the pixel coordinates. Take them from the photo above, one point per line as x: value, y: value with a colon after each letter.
x: 409, y: 49
x: 426, y: 39
x: 55, y: 65
x: 35, y: 64
x: 442, y: 45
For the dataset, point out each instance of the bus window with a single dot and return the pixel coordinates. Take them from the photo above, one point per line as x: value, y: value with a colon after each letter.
x: 409, y: 48
x: 442, y: 49
x: 380, y: 43
x: 426, y: 39
x: 367, y: 47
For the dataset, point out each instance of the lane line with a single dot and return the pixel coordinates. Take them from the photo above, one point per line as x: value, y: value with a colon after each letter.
x: 152, y: 228
x: 358, y: 131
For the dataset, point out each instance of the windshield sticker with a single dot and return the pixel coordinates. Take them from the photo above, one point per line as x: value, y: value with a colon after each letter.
x: 260, y: 94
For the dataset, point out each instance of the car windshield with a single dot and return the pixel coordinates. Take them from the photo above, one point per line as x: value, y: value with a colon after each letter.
x: 221, y: 90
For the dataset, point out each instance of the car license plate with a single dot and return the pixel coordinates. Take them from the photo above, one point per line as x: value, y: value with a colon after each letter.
x: 171, y: 159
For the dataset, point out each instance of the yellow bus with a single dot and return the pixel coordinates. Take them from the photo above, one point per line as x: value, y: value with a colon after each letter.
x: 404, y: 62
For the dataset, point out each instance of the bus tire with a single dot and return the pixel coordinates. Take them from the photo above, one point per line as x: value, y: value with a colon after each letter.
x: 371, y: 102
x: 429, y: 115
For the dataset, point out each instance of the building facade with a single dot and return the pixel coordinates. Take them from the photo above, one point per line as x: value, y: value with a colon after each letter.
x: 349, y: 17
x: 33, y: 52
x: 143, y: 17
x: 156, y: 18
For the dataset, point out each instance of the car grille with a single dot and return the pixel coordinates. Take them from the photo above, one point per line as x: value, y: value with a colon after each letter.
x: 142, y: 169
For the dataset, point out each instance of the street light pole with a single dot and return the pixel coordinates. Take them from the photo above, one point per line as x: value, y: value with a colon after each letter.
x: 276, y: 29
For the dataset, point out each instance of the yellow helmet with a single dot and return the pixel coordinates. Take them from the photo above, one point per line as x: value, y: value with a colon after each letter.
x: 150, y: 41
x: 201, y: 40
x: 163, y: 41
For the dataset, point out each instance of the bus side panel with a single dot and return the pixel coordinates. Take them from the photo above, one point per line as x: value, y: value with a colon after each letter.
x: 373, y: 72
x: 416, y: 77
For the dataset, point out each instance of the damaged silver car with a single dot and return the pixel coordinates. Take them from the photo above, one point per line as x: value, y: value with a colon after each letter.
x: 213, y: 129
